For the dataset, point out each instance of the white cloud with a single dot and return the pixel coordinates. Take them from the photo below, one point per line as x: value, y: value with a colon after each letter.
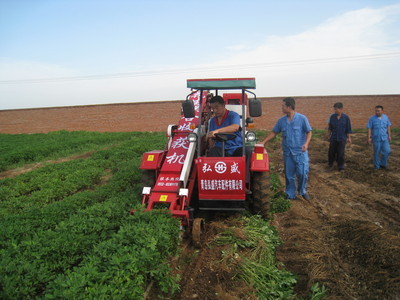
x: 359, y: 32
x: 309, y: 63
x: 21, y: 70
x: 237, y: 47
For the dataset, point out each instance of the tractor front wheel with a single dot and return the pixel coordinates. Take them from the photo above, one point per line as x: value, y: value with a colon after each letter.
x: 197, y: 232
x: 260, y: 193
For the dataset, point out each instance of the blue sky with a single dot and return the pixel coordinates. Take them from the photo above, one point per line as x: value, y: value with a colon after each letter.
x: 60, y: 53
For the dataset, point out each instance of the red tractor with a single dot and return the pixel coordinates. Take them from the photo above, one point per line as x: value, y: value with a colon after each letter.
x: 183, y: 179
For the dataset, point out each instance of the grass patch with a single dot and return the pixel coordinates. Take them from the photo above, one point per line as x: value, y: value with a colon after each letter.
x: 278, y: 201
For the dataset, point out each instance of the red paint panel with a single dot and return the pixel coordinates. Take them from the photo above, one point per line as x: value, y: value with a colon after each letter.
x: 167, y: 182
x: 259, y: 159
x: 221, y: 178
x: 152, y: 160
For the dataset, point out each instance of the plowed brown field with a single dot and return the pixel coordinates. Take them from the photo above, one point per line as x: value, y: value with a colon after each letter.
x: 347, y: 236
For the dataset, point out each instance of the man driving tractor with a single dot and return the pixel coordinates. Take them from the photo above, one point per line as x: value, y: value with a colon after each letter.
x: 182, y: 177
x: 224, y: 121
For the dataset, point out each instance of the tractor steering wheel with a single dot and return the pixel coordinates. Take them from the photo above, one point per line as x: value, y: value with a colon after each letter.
x: 223, y: 137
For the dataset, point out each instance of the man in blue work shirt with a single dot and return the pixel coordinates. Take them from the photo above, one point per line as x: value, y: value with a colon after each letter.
x: 338, y: 134
x: 224, y: 121
x: 296, y: 136
x: 379, y: 134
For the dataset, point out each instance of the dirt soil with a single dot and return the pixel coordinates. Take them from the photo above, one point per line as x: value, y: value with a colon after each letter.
x: 347, y: 236
x: 204, y: 273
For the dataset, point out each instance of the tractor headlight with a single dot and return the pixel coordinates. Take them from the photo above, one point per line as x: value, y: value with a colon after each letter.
x: 192, y: 137
x: 251, y: 136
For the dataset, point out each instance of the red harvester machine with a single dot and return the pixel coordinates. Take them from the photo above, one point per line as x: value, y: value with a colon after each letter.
x: 183, y: 179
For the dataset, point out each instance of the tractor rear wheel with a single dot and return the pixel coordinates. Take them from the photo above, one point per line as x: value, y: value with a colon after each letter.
x: 260, y: 193
x: 197, y: 232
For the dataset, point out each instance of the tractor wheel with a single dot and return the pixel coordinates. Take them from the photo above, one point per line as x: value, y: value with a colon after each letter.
x: 260, y: 193
x: 148, y: 178
x: 197, y: 232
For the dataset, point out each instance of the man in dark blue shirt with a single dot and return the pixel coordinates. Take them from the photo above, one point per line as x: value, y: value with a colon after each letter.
x: 339, y: 130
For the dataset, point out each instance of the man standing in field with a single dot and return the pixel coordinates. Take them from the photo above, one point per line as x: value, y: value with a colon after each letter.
x: 338, y: 133
x: 296, y: 136
x: 379, y: 134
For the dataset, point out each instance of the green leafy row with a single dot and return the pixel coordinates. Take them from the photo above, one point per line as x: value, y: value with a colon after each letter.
x: 19, y: 149
x: 15, y: 227
x: 119, y: 268
x: 22, y: 215
x: 31, y: 264
x: 49, y: 184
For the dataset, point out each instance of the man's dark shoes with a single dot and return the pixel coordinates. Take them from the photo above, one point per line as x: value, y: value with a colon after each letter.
x: 306, y: 196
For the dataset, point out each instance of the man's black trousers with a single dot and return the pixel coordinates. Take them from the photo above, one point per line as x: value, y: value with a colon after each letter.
x: 336, y: 153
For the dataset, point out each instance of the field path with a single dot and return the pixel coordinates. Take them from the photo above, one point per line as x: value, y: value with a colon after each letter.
x: 30, y: 167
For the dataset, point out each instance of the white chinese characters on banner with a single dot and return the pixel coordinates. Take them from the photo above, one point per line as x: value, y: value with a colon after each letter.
x: 180, y: 143
x: 196, y: 104
x: 221, y: 184
x: 221, y: 167
x: 176, y: 158
x: 206, y: 168
x: 168, y: 181
x: 162, y: 178
x: 168, y: 184
x: 185, y: 127
x: 235, y: 168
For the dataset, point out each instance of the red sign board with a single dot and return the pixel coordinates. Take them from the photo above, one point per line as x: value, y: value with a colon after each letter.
x: 167, y: 182
x: 221, y: 178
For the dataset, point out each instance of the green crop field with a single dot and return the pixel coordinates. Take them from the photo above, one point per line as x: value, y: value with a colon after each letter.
x: 65, y: 228
x: 66, y: 231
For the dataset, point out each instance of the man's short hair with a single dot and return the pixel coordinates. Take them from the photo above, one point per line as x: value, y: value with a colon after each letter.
x: 217, y: 99
x: 338, y: 105
x: 379, y: 106
x: 289, y: 102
